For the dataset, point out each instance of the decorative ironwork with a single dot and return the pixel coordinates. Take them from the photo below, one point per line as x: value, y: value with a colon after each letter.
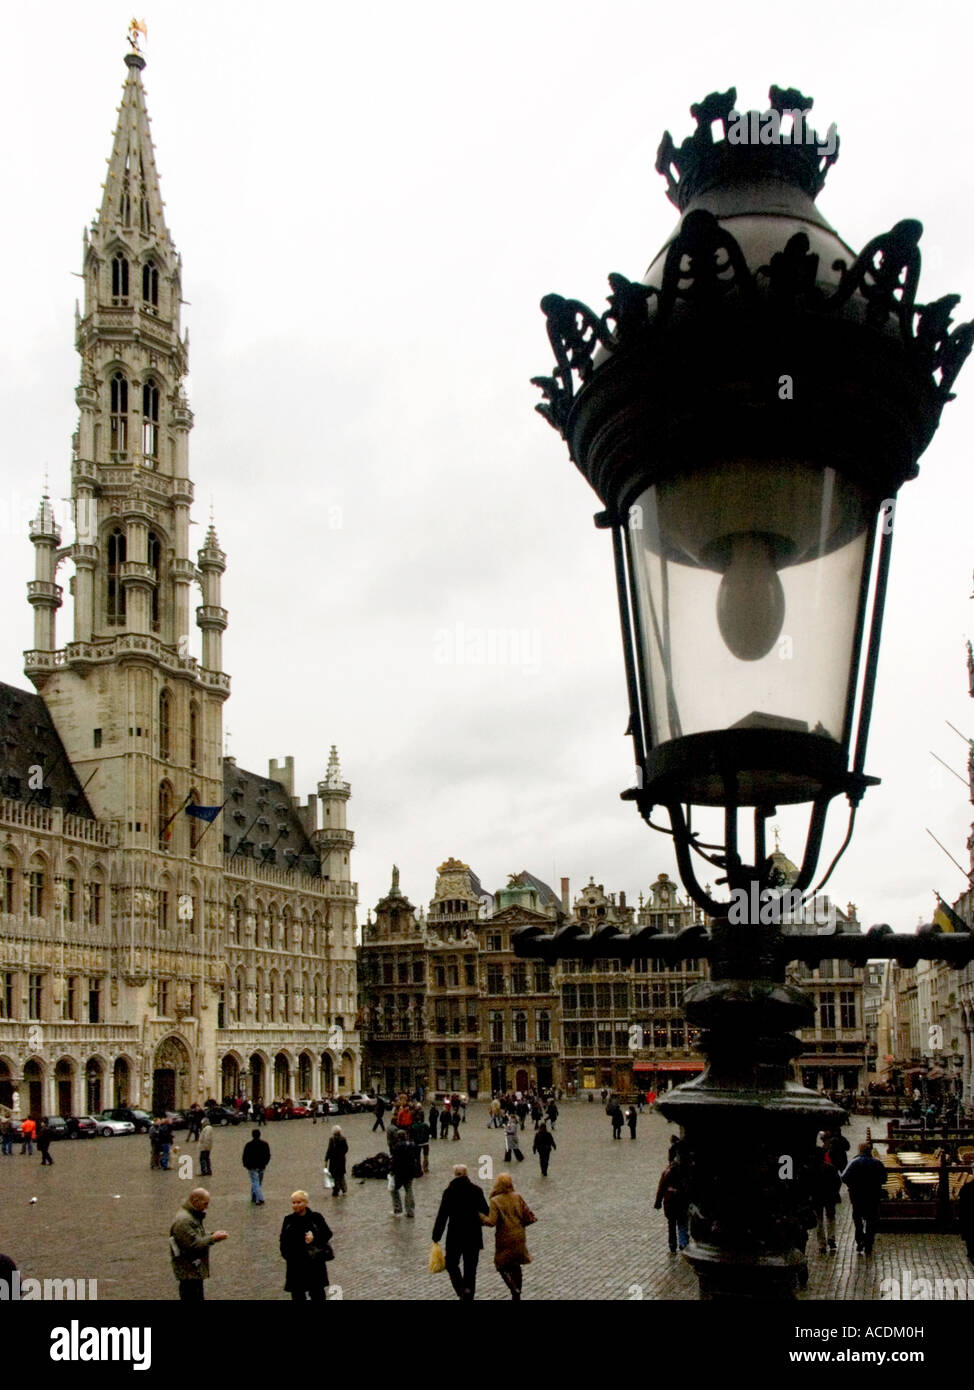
x: 705, y: 264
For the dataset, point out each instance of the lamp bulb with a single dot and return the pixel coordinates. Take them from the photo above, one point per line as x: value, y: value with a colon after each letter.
x: 750, y: 600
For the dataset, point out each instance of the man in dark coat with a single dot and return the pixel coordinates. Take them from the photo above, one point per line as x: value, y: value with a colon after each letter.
x: 421, y: 1138
x: 673, y: 1196
x: 552, y: 1113
x: 256, y: 1156
x: 304, y: 1236
x: 336, y: 1161
x: 615, y: 1115
x: 404, y: 1155
x: 380, y: 1110
x: 44, y: 1136
x: 865, y: 1178
x: 459, y: 1215
x: 543, y: 1144
x: 824, y: 1185
x: 434, y: 1116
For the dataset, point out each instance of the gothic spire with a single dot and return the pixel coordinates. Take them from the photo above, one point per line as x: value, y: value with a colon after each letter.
x: 132, y: 201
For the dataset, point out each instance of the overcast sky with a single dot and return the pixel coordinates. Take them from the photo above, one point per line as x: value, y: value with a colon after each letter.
x: 370, y: 200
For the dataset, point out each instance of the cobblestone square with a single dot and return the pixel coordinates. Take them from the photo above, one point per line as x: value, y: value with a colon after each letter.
x: 101, y: 1213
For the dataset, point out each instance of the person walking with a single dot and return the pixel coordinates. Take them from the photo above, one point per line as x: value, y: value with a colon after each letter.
x: 154, y: 1158
x: 512, y: 1148
x: 631, y: 1121
x: 206, y: 1148
x: 380, y: 1110
x: 865, y: 1178
x: 336, y: 1161
x: 825, y: 1193
x: 256, y: 1157
x: 965, y: 1216
x: 44, y: 1136
x: 455, y: 1118
x: 6, y: 1135
x: 403, y: 1172
x: 615, y: 1115
x: 164, y: 1140
x: 421, y: 1138
x: 445, y: 1119
x: 521, y: 1110
x: 640, y: 1101
x: 28, y: 1130
x: 510, y: 1214
x: 837, y: 1149
x: 673, y: 1197
x: 260, y: 1114
x: 434, y: 1113
x: 189, y: 1246
x: 544, y: 1142
x: 537, y: 1113
x: 461, y: 1207
x: 305, y: 1247
x: 552, y: 1113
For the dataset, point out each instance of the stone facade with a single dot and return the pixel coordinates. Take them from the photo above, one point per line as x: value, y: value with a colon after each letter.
x: 150, y: 956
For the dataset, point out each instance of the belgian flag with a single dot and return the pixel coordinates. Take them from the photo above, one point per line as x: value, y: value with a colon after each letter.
x: 947, y: 919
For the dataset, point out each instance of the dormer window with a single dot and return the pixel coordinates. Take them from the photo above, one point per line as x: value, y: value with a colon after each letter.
x: 120, y: 280
x: 150, y: 284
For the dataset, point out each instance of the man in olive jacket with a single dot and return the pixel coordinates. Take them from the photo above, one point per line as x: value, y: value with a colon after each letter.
x: 459, y: 1216
x: 189, y: 1246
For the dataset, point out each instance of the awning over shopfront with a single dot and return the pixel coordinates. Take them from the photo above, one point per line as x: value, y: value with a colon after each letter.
x: 667, y: 1066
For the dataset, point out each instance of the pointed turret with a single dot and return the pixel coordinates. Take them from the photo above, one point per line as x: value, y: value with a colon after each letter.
x: 334, y: 840
x: 43, y: 594
x: 210, y: 617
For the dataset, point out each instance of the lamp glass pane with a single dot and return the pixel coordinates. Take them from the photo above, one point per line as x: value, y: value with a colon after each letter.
x: 747, y: 578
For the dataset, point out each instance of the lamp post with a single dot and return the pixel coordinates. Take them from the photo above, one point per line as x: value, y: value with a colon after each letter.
x: 747, y: 414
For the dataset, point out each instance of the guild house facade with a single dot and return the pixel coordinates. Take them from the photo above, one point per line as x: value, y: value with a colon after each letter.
x: 172, y: 926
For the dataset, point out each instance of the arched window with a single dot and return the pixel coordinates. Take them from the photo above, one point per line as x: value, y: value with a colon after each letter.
x: 119, y: 393
x: 194, y: 734
x: 520, y: 1027
x: 150, y: 283
x: 259, y: 997
x: 272, y: 999
x: 165, y: 815
x: 150, y: 420
x: 287, y: 998
x: 236, y: 920
x: 9, y: 880
x: 165, y: 725
x: 120, y: 279
x: 239, y: 995
x: 116, y: 589
x: 155, y: 561
x: 544, y: 1026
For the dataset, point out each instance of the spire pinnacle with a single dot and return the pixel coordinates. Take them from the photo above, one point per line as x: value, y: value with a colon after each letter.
x: 132, y: 201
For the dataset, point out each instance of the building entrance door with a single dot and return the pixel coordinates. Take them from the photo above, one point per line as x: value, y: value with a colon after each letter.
x: 521, y: 1080
x: 163, y: 1090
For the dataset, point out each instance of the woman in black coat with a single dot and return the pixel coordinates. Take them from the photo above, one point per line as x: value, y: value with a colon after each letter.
x: 304, y: 1236
x: 543, y: 1144
x: 336, y: 1160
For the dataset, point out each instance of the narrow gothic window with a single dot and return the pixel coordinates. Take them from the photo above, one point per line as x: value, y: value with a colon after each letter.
x: 194, y: 734
x: 150, y: 283
x: 120, y: 279
x: 119, y: 417
x: 165, y: 815
x: 116, y: 590
x: 195, y: 825
x: 150, y: 420
x: 165, y: 717
x: 155, y: 555
x: 143, y: 200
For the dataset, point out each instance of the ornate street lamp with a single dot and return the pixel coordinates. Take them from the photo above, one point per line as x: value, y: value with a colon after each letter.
x: 747, y: 414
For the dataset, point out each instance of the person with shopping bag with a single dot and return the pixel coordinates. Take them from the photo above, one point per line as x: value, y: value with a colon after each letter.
x: 336, y: 1162
x: 461, y: 1207
x: 306, y: 1249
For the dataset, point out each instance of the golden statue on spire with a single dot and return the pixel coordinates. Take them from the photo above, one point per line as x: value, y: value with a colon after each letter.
x: 137, y: 27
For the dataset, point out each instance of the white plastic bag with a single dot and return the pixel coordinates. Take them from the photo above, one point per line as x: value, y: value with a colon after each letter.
x: 391, y: 1183
x: 329, y: 1180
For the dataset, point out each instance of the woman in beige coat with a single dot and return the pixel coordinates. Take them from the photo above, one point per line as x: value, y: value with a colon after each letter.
x: 510, y: 1214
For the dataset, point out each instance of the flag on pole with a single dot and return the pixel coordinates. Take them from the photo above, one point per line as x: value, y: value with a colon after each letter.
x: 947, y: 919
x: 207, y: 813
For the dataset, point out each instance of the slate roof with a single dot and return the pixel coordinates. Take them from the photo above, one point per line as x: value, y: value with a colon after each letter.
x: 546, y: 896
x: 29, y: 739
x: 260, y: 820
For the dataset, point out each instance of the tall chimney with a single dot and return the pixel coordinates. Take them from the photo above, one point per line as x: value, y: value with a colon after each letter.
x: 622, y: 902
x: 565, y: 897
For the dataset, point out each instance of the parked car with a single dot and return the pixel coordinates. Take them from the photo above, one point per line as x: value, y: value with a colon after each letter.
x: 81, y: 1127
x: 58, y: 1127
x: 440, y: 1096
x: 222, y: 1115
x: 141, y: 1119
x: 177, y: 1119
x: 359, y: 1101
x: 301, y: 1109
x: 108, y: 1128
